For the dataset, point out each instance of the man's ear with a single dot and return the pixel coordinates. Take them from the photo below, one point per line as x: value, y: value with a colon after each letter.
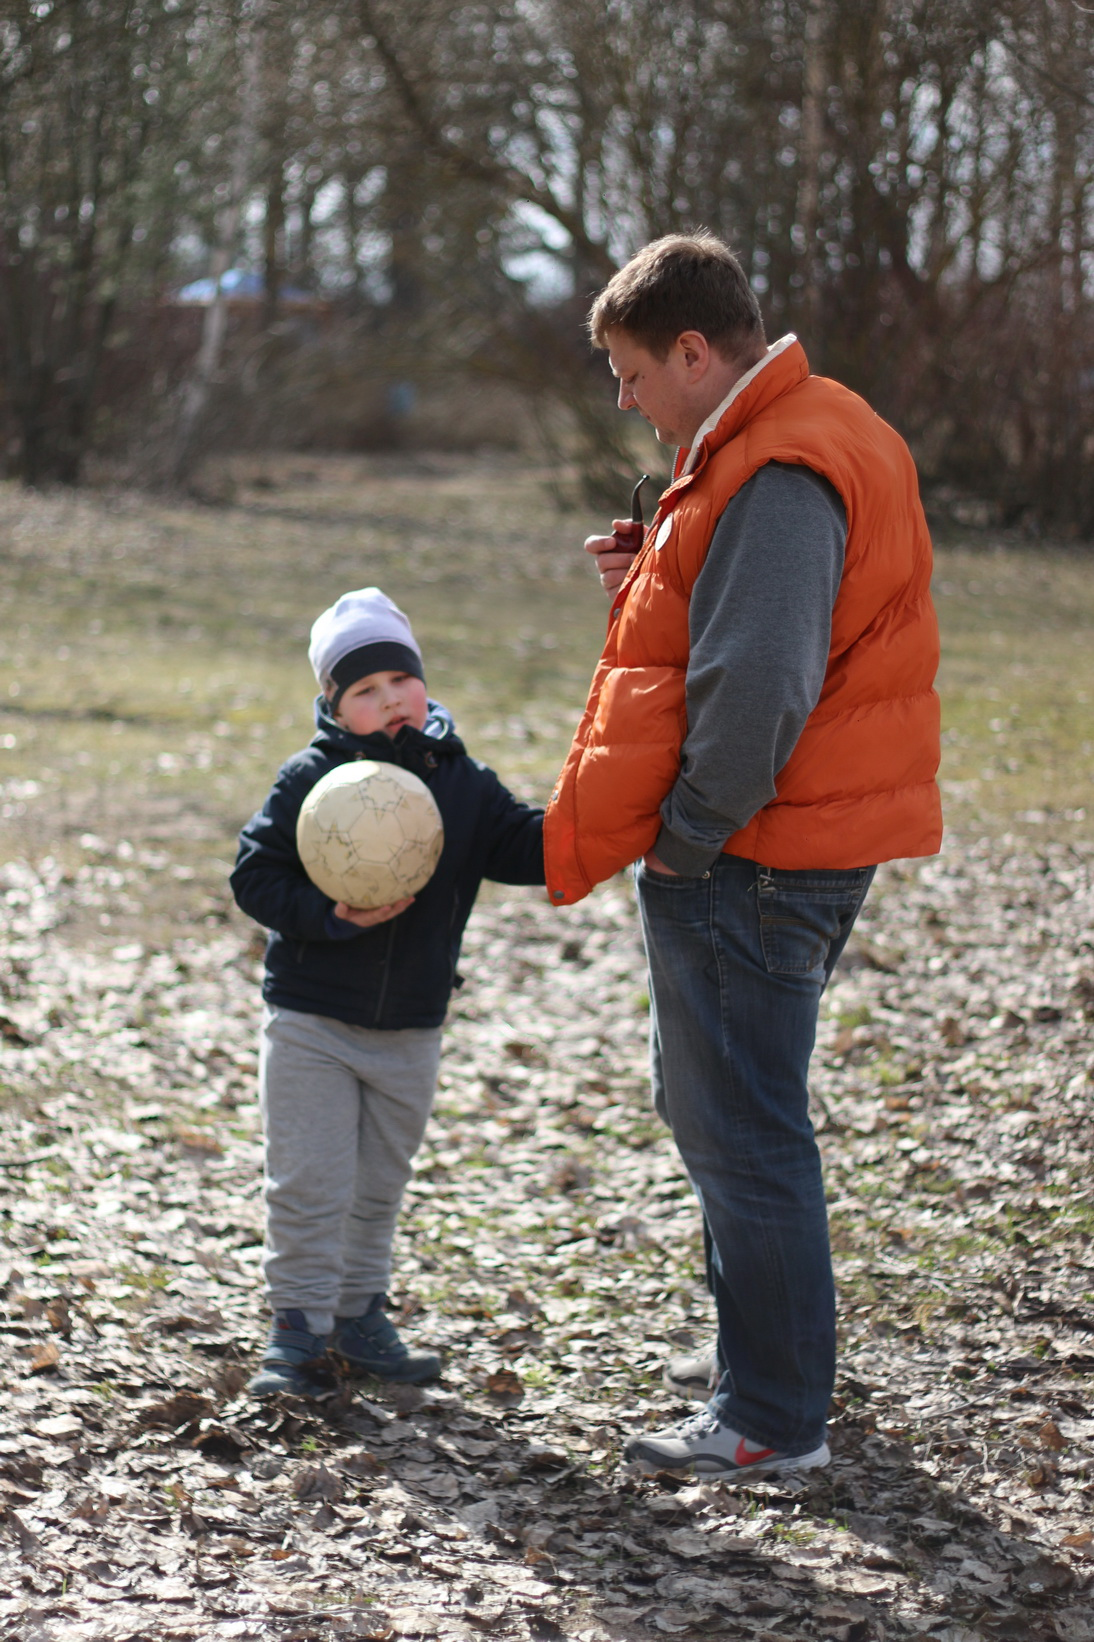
x: 695, y: 351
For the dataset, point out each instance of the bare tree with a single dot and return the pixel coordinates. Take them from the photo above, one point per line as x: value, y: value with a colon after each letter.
x: 91, y: 94
x: 908, y: 183
x: 194, y: 398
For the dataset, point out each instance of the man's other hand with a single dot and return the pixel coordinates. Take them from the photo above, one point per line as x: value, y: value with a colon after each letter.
x: 653, y: 863
x: 614, y: 554
x: 365, y: 917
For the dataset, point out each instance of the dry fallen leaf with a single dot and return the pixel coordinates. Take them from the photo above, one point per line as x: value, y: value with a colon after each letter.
x: 59, y: 1425
x: 182, y: 1409
x: 674, y: 1620
x: 505, y: 1387
x: 537, y: 1534
x: 60, y: 1317
x: 316, y: 1482
x: 362, y: 1464
x: 45, y: 1357
x: 200, y: 1142
x: 92, y: 1508
x: 1075, y: 1625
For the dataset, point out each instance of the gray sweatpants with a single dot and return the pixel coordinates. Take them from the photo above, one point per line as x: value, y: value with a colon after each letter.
x: 344, y: 1110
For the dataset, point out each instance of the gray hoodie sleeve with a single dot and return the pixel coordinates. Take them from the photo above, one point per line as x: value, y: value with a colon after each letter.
x: 760, y: 627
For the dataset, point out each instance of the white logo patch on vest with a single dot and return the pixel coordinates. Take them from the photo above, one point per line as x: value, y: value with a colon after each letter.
x: 663, y: 532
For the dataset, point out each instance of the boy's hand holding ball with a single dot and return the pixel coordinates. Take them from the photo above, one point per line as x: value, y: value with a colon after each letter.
x: 365, y: 917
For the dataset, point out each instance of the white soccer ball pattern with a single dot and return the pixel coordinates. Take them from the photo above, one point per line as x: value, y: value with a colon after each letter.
x: 369, y: 834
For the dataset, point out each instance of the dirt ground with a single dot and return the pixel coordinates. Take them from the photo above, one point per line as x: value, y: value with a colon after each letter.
x: 550, y: 1253
x: 151, y: 677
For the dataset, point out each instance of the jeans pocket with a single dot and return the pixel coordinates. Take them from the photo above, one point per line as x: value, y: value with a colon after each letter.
x: 646, y: 876
x: 804, y: 914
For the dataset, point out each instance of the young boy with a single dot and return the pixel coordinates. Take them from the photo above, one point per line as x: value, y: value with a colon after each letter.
x: 351, y: 1033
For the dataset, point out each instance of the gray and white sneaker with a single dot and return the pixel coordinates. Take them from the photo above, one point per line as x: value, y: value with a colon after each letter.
x: 694, y: 1376
x: 704, y: 1445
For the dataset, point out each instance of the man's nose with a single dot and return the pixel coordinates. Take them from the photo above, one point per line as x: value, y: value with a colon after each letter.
x: 626, y: 397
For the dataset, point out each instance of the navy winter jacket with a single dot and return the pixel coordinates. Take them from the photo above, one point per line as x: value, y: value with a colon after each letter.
x: 401, y: 973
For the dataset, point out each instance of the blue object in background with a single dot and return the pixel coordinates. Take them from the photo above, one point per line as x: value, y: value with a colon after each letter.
x: 240, y: 286
x: 402, y: 397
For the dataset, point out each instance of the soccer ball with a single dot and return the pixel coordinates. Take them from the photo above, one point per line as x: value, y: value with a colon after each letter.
x: 369, y: 834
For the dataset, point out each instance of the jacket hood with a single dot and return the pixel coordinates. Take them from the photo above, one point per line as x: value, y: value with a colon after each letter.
x: 438, y: 736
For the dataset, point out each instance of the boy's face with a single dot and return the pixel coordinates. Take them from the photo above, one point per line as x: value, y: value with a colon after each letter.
x: 383, y: 701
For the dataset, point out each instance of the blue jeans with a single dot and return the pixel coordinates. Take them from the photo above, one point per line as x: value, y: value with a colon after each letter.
x: 738, y: 962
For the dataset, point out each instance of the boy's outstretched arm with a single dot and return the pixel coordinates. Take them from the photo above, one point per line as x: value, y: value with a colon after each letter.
x: 515, y: 834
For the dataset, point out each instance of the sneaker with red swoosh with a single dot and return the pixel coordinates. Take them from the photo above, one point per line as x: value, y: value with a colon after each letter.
x: 703, y: 1444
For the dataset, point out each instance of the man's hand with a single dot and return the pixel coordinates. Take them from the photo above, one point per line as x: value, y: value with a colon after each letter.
x: 614, y: 554
x: 653, y: 863
x: 365, y: 917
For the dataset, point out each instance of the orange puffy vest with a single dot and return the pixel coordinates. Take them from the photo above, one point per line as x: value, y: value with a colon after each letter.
x: 860, y: 785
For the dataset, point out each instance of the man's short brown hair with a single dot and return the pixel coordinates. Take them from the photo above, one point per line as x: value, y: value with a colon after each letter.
x: 684, y: 282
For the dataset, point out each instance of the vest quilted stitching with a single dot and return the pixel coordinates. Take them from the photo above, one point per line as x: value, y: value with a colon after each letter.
x: 860, y: 785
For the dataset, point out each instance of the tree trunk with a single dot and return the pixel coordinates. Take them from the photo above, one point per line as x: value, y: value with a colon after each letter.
x: 197, y: 392
x: 273, y: 235
x: 814, y: 84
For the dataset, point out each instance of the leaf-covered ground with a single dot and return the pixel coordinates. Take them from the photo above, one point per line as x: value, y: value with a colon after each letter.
x: 550, y: 1252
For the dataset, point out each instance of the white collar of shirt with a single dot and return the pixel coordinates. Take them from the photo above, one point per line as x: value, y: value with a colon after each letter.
x: 738, y: 387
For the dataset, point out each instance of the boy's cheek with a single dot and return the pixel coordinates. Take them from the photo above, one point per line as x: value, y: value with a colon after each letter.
x: 419, y: 706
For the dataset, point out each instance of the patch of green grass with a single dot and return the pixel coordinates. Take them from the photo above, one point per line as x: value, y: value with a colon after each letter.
x: 539, y: 1375
x: 1017, y: 683
x: 1077, y: 1217
x: 153, y: 665
x: 793, y: 1531
x: 144, y: 1279
x: 964, y: 1243
x: 153, y: 669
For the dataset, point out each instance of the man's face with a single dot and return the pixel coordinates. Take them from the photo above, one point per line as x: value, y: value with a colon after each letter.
x: 383, y: 701
x: 660, y: 390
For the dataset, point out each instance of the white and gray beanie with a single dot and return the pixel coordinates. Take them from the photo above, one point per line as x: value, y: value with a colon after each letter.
x: 364, y: 632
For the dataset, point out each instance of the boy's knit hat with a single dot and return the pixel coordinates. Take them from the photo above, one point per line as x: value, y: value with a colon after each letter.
x: 363, y: 633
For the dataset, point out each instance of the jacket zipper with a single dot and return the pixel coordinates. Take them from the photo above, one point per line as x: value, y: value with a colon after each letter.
x: 382, y: 995
x: 430, y: 761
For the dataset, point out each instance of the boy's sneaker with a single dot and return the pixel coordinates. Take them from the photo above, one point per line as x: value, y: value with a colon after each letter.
x: 703, y: 1444
x: 696, y: 1376
x: 294, y: 1361
x: 370, y: 1344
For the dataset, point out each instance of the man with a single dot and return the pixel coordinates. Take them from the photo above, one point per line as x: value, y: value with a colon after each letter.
x: 761, y: 731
